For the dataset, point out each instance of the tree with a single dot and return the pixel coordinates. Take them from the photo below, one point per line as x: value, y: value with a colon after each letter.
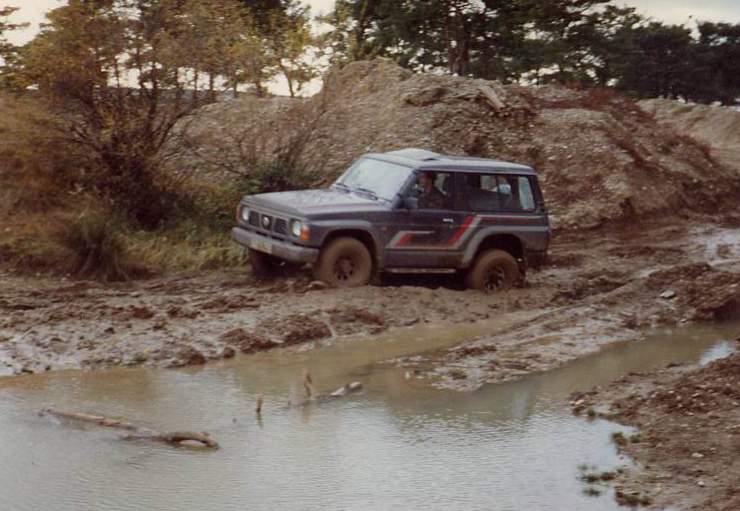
x: 8, y: 52
x: 660, y: 65
x: 288, y: 40
x: 603, y: 43
x: 118, y: 72
x: 716, y: 56
x: 492, y: 39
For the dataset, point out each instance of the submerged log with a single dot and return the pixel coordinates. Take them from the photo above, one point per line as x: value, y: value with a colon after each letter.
x: 347, y: 389
x: 173, y: 438
x: 312, y: 396
x: 176, y: 438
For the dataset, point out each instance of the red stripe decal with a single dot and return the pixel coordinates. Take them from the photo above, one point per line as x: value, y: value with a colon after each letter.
x: 405, y: 239
x: 459, y: 233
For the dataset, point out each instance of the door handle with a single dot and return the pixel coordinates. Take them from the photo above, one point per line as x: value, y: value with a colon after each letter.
x: 448, y: 220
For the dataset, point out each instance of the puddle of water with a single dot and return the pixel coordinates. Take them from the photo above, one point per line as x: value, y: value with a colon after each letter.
x: 399, y: 444
x: 714, y: 239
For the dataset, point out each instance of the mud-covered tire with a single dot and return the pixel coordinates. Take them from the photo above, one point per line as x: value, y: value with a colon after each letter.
x: 493, y: 271
x: 344, y: 262
x: 266, y: 265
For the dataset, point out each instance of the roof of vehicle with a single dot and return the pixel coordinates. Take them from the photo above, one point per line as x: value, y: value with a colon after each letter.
x: 427, y: 160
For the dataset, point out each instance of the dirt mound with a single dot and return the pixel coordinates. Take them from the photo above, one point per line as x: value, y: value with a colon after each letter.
x: 600, y: 157
x: 709, y: 293
x: 714, y: 125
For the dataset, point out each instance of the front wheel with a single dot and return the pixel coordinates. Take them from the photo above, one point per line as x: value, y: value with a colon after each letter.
x: 493, y: 270
x: 344, y: 262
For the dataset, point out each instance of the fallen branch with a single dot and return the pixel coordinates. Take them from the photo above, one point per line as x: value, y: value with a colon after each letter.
x: 173, y: 438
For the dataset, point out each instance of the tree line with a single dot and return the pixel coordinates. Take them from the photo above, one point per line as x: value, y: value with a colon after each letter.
x: 584, y: 42
x: 210, y: 45
x: 198, y: 46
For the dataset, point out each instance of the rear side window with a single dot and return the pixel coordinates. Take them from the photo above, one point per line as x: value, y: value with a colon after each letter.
x: 495, y: 192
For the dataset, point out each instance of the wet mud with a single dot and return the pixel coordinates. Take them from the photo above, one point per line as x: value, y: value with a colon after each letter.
x: 599, y: 289
x: 686, y: 438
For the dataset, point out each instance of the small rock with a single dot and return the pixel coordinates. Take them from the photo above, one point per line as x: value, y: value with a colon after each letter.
x: 701, y: 483
x: 141, y: 312
x: 188, y: 357
x: 697, y: 455
x: 667, y: 295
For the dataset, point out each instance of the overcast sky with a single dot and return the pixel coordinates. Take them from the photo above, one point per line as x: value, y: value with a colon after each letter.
x: 672, y: 11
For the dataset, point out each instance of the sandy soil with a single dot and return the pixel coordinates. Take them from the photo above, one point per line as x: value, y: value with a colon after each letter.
x: 599, y: 289
x: 687, y: 437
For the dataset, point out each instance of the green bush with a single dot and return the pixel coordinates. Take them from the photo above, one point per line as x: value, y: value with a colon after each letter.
x: 95, y: 240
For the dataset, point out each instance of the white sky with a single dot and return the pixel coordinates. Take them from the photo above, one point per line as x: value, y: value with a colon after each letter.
x: 671, y: 11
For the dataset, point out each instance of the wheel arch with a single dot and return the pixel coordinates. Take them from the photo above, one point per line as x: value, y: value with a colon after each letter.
x: 362, y: 235
x: 506, y: 241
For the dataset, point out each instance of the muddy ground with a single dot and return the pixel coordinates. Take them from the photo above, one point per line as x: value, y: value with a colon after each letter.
x: 687, y: 435
x: 599, y: 288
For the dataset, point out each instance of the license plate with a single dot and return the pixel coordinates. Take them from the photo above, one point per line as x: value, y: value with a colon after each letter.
x: 262, y: 246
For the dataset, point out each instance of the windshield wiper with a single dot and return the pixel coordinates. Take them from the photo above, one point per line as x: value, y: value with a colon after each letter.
x: 342, y: 186
x: 371, y: 193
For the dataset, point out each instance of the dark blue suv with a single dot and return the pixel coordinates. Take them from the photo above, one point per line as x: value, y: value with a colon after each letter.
x: 407, y: 211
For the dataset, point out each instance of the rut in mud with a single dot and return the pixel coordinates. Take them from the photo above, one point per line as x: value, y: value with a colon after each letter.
x: 599, y: 289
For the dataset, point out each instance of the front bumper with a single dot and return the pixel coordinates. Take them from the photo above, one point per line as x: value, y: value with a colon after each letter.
x: 278, y: 248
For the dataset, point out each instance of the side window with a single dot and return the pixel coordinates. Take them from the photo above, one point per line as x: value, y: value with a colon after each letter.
x: 493, y: 192
x: 435, y: 190
x: 526, y: 196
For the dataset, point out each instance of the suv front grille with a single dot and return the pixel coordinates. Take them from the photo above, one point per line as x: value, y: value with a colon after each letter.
x: 280, y: 226
x: 264, y: 222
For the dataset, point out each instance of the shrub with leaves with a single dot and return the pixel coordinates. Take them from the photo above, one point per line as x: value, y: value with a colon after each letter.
x: 94, y: 238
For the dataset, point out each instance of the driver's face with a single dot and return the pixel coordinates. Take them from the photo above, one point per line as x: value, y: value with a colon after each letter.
x: 424, y: 181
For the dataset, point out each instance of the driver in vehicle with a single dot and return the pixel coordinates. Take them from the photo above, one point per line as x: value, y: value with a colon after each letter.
x: 429, y: 195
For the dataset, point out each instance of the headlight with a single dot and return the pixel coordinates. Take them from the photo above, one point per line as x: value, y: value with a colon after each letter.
x: 296, y: 227
x: 245, y: 215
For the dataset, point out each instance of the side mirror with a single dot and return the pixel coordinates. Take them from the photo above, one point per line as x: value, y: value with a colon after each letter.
x: 411, y: 203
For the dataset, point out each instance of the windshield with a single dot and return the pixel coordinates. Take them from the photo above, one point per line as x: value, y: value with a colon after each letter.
x: 379, y: 178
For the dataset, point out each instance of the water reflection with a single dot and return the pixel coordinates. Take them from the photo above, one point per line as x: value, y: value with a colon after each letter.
x: 399, y: 444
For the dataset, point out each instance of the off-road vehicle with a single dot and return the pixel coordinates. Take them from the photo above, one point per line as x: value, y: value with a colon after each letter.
x: 406, y: 211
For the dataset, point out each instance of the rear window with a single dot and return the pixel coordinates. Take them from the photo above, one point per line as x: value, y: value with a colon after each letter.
x: 495, y: 192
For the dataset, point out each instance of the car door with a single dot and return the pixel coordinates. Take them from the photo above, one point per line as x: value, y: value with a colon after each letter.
x: 427, y: 237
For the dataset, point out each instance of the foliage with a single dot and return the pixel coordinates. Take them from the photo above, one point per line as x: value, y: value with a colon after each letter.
x: 118, y: 72
x: 8, y: 52
x: 94, y: 239
x: 289, y: 40
x: 591, y: 42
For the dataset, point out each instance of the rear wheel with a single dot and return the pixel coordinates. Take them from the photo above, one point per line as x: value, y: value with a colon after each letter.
x: 344, y: 262
x: 266, y: 265
x: 493, y: 270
